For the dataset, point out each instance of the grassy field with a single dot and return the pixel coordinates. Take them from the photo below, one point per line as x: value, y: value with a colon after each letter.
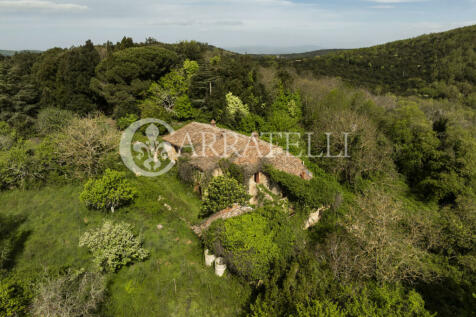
x: 173, y: 281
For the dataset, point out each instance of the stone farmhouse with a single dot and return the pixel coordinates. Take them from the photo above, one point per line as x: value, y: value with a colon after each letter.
x: 201, y: 150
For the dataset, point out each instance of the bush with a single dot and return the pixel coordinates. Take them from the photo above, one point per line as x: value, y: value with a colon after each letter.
x: 8, y: 136
x: 52, y: 120
x: 113, y: 246
x: 251, y: 243
x: 370, y: 301
x: 222, y: 192
x: 74, y: 294
x: 14, y: 297
x: 24, y: 167
x: 109, y: 192
x: 16, y: 170
x: 320, y: 190
x: 317, y: 308
x: 124, y: 122
x: 385, y: 300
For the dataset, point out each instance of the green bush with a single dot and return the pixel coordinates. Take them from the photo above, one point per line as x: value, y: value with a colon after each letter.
x: 127, y: 120
x: 251, y: 243
x: 372, y: 301
x: 8, y: 136
x: 317, y: 308
x: 17, y: 168
x: 113, y: 246
x: 52, y: 120
x: 14, y: 297
x: 222, y: 192
x: 320, y: 190
x: 112, y: 190
x: 385, y: 300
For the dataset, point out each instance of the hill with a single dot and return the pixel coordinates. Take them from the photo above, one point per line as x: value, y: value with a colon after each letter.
x: 311, y: 54
x: 439, y: 65
x: 11, y: 53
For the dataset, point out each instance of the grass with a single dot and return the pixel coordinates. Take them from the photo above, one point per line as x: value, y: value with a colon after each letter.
x: 173, y: 281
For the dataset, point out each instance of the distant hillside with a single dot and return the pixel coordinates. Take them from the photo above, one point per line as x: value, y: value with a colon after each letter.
x: 10, y: 52
x: 272, y: 50
x: 434, y: 65
x: 7, y: 53
x: 311, y: 53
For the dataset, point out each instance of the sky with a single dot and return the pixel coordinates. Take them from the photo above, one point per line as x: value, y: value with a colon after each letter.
x: 42, y: 24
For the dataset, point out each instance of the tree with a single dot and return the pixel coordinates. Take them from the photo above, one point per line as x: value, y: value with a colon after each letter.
x: 123, y: 77
x: 222, y: 192
x: 171, y: 93
x: 376, y: 245
x: 76, y: 67
x: 19, y: 95
x: 109, y: 192
x: 86, y: 144
x: 235, y: 107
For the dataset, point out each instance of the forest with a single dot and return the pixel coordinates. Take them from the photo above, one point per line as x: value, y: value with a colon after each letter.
x: 80, y: 235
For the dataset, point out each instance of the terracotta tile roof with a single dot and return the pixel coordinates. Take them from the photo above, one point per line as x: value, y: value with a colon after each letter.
x: 211, y: 143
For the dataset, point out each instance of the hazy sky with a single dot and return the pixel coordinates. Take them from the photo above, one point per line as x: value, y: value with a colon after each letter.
x: 41, y: 24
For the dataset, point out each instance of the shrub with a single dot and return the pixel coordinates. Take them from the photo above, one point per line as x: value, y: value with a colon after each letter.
x: 374, y: 300
x: 23, y: 167
x: 320, y: 190
x: 113, y: 246
x: 317, y: 308
x: 74, y: 294
x: 8, y: 136
x: 222, y: 192
x: 252, y: 242
x: 15, y: 168
x: 112, y: 190
x: 52, y: 120
x: 14, y: 297
x: 127, y: 120
x: 371, y: 301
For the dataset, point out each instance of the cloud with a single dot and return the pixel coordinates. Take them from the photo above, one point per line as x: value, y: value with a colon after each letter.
x: 43, y: 5
x: 395, y: 1
x: 191, y: 22
x: 383, y: 6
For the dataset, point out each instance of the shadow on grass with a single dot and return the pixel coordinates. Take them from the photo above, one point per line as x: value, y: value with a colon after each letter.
x: 12, y: 239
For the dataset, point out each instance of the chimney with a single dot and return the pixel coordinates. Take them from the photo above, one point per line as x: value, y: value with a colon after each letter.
x: 213, y: 123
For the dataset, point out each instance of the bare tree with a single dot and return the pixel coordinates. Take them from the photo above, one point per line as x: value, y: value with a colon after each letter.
x: 85, y: 143
x: 377, y: 242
